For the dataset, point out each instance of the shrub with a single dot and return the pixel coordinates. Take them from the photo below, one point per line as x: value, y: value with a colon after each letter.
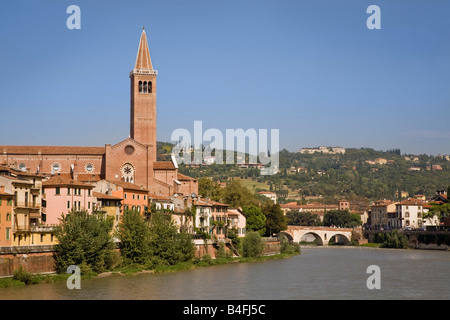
x: 252, y: 245
x: 286, y: 247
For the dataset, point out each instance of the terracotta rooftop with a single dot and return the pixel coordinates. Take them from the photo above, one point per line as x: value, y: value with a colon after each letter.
x: 163, y: 165
x: 88, y: 177
x: 52, y: 150
x: 99, y: 195
x: 412, y: 202
x: 183, y: 177
x: 64, y: 179
x: 127, y: 185
x: 5, y: 194
x: 208, y: 203
x: 156, y: 197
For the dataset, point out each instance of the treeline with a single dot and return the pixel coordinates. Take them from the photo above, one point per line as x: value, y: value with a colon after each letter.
x: 331, y: 218
x: 88, y: 241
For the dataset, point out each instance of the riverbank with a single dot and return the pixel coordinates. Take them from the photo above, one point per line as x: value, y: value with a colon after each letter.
x: 23, y: 278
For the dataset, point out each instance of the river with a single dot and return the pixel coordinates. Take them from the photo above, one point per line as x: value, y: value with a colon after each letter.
x: 318, y: 273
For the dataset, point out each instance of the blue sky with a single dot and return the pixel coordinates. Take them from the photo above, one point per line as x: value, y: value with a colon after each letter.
x: 309, y: 68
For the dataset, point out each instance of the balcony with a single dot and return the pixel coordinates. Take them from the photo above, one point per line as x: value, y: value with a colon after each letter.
x: 27, y: 205
x: 21, y: 228
x: 41, y: 229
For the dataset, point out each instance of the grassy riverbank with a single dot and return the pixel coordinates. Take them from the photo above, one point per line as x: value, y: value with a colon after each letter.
x: 22, y: 278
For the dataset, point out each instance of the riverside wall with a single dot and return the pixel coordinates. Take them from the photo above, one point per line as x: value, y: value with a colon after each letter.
x: 38, y: 259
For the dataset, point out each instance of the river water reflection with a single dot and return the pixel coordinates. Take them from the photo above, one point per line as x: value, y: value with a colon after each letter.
x: 318, y: 273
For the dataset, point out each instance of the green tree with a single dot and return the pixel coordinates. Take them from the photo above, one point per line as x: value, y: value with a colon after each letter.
x: 168, y: 247
x: 237, y: 195
x: 275, y: 219
x: 395, y: 239
x: 255, y: 219
x: 134, y: 235
x: 297, y: 218
x: 84, y: 240
x: 341, y: 219
x: 252, y: 245
x: 207, y: 187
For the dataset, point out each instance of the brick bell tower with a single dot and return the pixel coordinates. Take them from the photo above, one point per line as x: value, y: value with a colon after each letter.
x: 143, y: 98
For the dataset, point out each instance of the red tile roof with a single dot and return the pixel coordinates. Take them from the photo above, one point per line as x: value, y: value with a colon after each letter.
x: 52, y: 150
x: 99, y: 195
x: 128, y: 185
x: 183, y: 177
x: 64, y: 180
x: 163, y: 165
x: 156, y: 197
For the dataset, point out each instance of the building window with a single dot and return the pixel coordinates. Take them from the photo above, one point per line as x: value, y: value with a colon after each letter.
x: 57, y: 190
x: 89, y: 167
x: 149, y: 87
x: 129, y: 150
x: 68, y: 191
x: 140, y: 86
x: 8, y: 233
x: 68, y: 204
x: 56, y: 167
x: 145, y: 86
x: 42, y: 237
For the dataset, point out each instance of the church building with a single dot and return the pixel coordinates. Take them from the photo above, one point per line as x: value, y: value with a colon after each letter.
x: 132, y: 160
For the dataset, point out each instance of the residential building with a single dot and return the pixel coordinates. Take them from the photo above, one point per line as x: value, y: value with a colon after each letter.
x: 132, y: 196
x: 62, y: 194
x: 108, y: 205
x: 410, y: 214
x: 383, y: 215
x: 6, y: 211
x: 344, y: 204
x: 238, y: 220
x: 26, y: 189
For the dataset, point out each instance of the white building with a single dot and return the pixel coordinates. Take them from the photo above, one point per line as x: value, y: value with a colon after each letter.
x: 410, y: 214
x: 271, y: 195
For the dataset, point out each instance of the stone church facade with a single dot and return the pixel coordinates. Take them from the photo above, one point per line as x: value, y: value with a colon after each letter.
x: 132, y: 160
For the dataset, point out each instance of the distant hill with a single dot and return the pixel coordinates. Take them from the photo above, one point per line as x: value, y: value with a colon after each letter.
x: 357, y: 173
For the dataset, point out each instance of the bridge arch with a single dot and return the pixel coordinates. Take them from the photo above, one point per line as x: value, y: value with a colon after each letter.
x: 315, y: 235
x: 340, y: 239
x: 287, y: 235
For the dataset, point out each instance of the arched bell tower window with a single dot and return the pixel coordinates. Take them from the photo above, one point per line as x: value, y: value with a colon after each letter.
x: 145, y: 86
x: 140, y: 86
x: 149, y: 87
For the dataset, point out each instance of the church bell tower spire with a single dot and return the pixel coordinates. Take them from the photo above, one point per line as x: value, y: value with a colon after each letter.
x: 143, y: 98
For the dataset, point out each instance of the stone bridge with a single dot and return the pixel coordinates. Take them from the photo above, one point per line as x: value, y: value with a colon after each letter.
x: 322, y: 234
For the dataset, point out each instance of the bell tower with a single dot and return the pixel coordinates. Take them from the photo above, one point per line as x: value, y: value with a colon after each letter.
x: 143, y: 98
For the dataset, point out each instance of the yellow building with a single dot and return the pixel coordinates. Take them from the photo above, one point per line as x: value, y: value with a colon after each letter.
x: 108, y: 205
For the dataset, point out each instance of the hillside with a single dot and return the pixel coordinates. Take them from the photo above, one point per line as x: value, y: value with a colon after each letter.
x: 359, y: 173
